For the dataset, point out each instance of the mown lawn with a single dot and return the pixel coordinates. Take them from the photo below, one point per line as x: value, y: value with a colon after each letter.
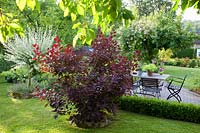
x: 193, y: 75
x: 30, y: 116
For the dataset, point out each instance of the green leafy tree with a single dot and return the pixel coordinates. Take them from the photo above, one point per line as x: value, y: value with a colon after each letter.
x: 93, y: 13
x: 8, y: 26
x: 141, y: 35
x: 49, y: 15
x: 165, y: 55
x: 186, y: 4
x: 146, y: 7
x: 155, y: 32
x: 86, y: 15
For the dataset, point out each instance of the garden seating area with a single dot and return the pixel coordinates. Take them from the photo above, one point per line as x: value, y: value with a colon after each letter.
x: 148, y: 85
x: 154, y: 84
x: 186, y: 95
x: 174, y: 89
x: 171, y: 90
x: 98, y: 66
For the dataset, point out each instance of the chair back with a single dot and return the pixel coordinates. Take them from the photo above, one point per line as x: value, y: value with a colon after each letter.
x: 183, y: 81
x: 179, y: 81
x: 150, y: 83
x: 175, y: 89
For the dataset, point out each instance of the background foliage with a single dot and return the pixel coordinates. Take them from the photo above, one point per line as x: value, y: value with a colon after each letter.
x: 9, y: 25
x: 20, y: 50
x: 147, y: 7
x: 186, y: 4
x: 49, y: 15
x: 83, y: 16
x: 154, y: 32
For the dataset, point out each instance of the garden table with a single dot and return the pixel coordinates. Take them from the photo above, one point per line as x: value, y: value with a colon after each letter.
x: 149, y: 85
x: 154, y: 76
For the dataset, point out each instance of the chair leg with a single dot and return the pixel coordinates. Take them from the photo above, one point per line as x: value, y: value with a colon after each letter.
x: 169, y: 97
x: 171, y: 94
x: 157, y: 95
x: 179, y: 97
x: 174, y: 94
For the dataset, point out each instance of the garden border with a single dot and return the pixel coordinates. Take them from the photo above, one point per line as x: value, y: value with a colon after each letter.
x: 161, y: 108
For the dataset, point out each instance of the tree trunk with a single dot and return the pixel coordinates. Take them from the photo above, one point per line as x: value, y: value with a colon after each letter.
x: 29, y: 79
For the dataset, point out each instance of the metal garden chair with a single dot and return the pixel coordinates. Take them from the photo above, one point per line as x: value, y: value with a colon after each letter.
x: 151, y: 87
x: 136, y: 86
x: 175, y: 86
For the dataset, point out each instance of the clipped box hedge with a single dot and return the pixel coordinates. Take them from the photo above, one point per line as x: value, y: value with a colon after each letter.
x: 161, y: 108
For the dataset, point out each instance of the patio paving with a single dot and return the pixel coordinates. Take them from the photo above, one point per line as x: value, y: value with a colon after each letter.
x: 187, y: 96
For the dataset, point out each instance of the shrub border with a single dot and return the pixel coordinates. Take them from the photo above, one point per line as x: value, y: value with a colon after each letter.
x: 161, y: 108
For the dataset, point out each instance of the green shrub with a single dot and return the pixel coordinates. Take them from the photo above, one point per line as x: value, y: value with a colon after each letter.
x: 161, y: 108
x: 10, y: 76
x: 193, y: 63
x: 44, y: 80
x: 198, y: 62
x: 184, y: 62
x: 4, y: 65
x: 16, y: 74
x: 178, y: 62
x: 171, y: 62
x: 21, y: 90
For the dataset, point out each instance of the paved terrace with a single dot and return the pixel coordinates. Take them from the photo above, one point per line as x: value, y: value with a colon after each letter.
x: 187, y: 96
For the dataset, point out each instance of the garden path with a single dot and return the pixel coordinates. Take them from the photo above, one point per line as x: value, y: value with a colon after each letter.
x: 186, y: 95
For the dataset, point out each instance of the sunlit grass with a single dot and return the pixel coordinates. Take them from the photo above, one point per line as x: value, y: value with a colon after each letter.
x: 15, y: 101
x: 193, y: 77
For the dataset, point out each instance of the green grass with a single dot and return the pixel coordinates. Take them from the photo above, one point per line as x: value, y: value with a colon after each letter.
x: 30, y: 116
x: 193, y: 77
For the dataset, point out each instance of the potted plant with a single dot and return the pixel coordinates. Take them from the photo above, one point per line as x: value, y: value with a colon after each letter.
x: 161, y: 70
x: 150, y: 68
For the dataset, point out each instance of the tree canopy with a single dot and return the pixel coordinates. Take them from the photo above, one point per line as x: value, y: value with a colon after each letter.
x: 9, y: 24
x: 146, y: 7
x: 85, y: 15
x: 186, y: 4
x: 154, y: 32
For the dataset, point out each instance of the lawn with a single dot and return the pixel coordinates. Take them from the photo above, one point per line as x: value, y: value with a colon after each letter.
x: 193, y: 77
x: 25, y: 116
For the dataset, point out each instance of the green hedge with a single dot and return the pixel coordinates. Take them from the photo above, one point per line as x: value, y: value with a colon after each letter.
x: 161, y: 108
x: 183, y: 53
x: 184, y: 62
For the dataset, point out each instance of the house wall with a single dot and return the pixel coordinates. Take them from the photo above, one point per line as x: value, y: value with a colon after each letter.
x: 198, y: 52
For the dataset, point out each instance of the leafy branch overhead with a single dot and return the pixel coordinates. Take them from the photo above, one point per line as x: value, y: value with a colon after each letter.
x: 92, y: 13
x: 32, y: 4
x: 8, y: 26
x: 187, y: 3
